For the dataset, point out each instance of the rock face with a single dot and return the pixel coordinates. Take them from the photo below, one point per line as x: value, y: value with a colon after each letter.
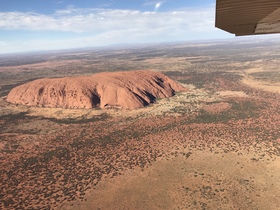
x: 130, y: 90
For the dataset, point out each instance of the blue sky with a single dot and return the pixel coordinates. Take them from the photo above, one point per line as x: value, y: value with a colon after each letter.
x: 28, y: 25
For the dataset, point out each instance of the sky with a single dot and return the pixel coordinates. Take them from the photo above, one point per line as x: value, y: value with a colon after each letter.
x: 35, y: 25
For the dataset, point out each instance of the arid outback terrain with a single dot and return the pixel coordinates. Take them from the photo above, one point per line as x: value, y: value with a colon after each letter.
x: 214, y: 146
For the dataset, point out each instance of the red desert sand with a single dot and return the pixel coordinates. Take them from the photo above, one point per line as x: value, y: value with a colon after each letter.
x: 130, y: 90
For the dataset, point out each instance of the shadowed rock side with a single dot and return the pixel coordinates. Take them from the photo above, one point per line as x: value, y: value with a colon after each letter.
x: 129, y: 90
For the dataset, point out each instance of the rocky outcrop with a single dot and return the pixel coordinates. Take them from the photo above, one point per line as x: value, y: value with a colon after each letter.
x: 131, y: 89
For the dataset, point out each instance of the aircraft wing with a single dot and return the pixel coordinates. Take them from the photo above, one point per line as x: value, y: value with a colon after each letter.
x: 248, y: 17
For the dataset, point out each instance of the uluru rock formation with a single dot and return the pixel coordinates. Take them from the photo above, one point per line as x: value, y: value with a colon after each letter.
x: 130, y: 90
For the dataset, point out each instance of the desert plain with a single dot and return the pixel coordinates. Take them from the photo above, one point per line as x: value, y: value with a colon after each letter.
x: 214, y: 146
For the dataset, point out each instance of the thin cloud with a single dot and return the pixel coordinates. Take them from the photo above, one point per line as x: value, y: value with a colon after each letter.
x: 157, y: 6
x: 107, y: 4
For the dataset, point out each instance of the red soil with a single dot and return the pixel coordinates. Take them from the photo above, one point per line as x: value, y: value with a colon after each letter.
x: 216, y: 107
